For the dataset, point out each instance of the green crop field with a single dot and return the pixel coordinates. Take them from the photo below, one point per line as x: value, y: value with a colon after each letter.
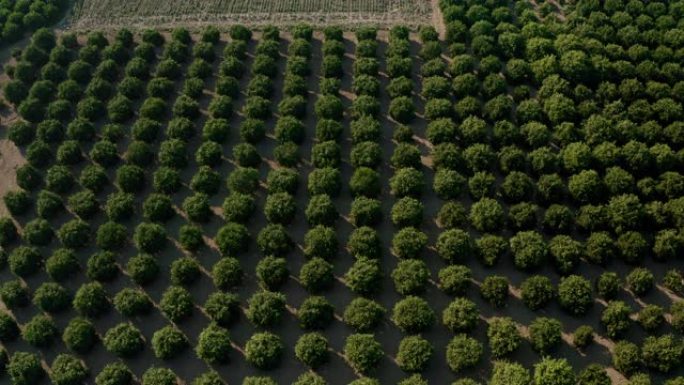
x: 495, y: 200
x: 119, y: 13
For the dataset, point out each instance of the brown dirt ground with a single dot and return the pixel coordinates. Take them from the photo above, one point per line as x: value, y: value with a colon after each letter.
x: 10, y: 159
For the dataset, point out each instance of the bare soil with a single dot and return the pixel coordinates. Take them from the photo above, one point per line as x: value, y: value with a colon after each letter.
x: 10, y: 159
x: 89, y: 14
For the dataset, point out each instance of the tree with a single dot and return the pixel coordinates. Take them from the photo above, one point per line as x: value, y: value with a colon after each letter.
x: 258, y: 381
x: 111, y: 236
x: 9, y: 330
x: 329, y: 107
x: 448, y: 184
x: 494, y: 290
x: 51, y: 297
x: 454, y: 279
x: 407, y: 211
x: 490, y: 248
x: 280, y: 207
x: 632, y: 247
x: 68, y: 370
x: 150, y: 237
x: 312, y: 349
x: 409, y: 242
x: 208, y: 378
x: 365, y: 242
x: 316, y: 312
x: 662, y: 353
x: 8, y: 231
x: 486, y: 215
x: 640, y: 281
x: 143, y: 268
x: 326, y: 180
x: 364, y: 276
x: 454, y: 245
x: 40, y: 331
x: 583, y: 336
x: 326, y: 154
x: 651, y: 317
x: 460, y: 315
x: 626, y: 357
x: 414, y: 354
x: 321, y: 241
x: 550, y: 371
x: 410, y: 276
x: 124, y: 340
x: 102, y: 266
x: 243, y: 180
x: 115, y: 373
x: 503, y: 336
x: 529, y: 250
x: 363, y: 212
x: 272, y: 272
x: 222, y: 308
x: 537, y: 291
x: 168, y: 342
x: 309, y: 378
x: 509, y: 373
x: 316, y: 275
x: 575, y: 294
x: 593, y: 374
x: 616, y: 319
x: 365, y: 182
x: 238, y: 207
x: 463, y: 352
x: 264, y: 350
x: 214, y: 345
x: 91, y: 300
x: 413, y: 314
x: 545, y: 334
x: 407, y: 182
x: 132, y: 302
x: 176, y: 303
x: 266, y: 308
x: 24, y: 261
x: 184, y: 271
x: 363, y: 314
x: 159, y: 376
x: 401, y: 109
x: 273, y: 240
x: 321, y: 210
x: 232, y: 239
x: 61, y: 264
x: 24, y: 368
x: 14, y: 294
x: 363, y: 352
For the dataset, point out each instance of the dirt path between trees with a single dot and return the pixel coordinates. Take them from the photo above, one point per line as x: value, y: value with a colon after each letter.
x: 438, y: 19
